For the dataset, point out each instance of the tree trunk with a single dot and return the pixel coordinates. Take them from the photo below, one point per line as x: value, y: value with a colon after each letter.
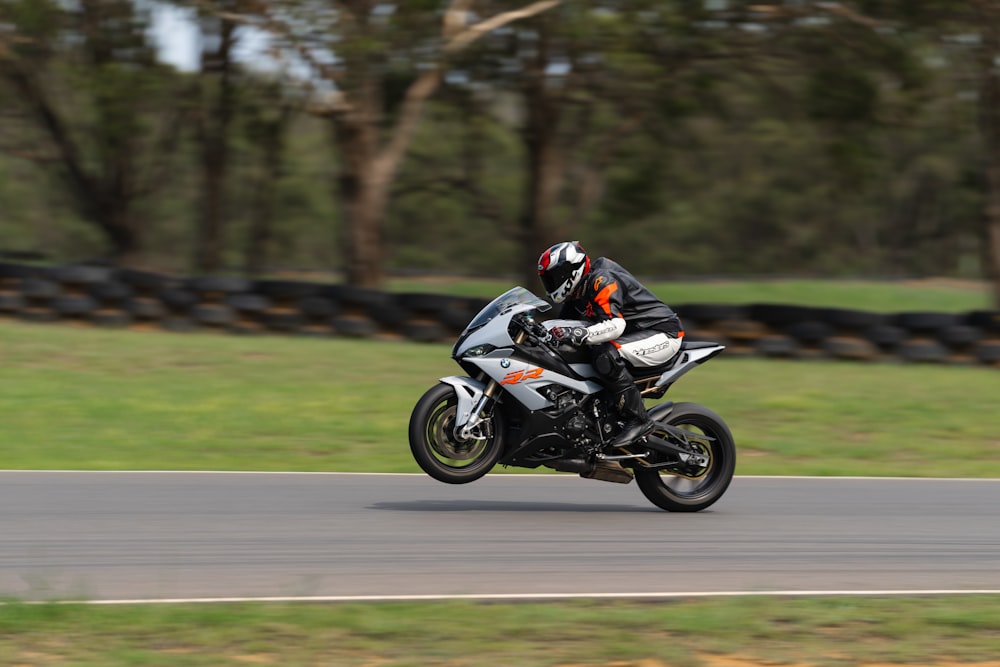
x: 990, y: 234
x: 272, y: 145
x: 216, y: 119
x: 365, y: 209
x: 113, y: 215
x: 364, y: 200
x: 260, y: 234
x: 368, y: 169
x: 545, y: 165
x: 993, y: 241
x: 546, y: 168
x: 989, y: 128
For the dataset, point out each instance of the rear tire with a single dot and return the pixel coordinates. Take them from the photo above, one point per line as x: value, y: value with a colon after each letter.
x: 700, y: 488
x: 436, y: 449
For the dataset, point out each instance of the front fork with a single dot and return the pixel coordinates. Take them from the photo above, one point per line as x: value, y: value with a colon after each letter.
x: 473, y: 416
x: 479, y: 416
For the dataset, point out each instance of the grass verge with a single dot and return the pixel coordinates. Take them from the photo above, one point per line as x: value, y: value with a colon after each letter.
x: 888, y: 296
x: 122, y: 400
x: 685, y: 633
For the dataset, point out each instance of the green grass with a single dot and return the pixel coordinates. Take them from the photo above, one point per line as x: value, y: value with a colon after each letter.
x: 877, y: 296
x: 97, y: 399
x: 760, y: 630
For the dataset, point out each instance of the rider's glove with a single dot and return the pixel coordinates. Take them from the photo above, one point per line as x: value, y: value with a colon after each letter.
x: 571, y: 335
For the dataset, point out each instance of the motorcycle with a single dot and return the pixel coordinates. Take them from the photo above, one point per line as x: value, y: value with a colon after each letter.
x: 530, y: 400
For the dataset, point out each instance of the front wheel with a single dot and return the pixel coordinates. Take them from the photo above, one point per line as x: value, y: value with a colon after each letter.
x: 438, y: 451
x: 684, y: 488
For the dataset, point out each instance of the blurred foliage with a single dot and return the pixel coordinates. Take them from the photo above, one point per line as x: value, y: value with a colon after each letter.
x: 696, y: 138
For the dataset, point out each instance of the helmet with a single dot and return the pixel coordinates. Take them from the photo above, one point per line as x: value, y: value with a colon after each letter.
x: 561, y: 269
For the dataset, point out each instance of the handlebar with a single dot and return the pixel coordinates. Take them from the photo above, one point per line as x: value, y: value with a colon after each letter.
x: 536, y: 332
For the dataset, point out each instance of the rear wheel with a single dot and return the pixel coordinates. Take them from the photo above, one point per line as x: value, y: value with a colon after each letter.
x: 436, y: 448
x: 679, y: 487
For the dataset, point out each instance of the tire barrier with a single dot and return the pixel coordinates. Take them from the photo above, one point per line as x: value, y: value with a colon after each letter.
x: 799, y: 332
x: 128, y: 298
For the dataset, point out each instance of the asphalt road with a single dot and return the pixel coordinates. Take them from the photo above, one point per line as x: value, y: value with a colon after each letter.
x: 114, y: 536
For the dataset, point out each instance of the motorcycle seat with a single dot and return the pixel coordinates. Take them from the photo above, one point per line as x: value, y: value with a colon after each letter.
x: 580, y: 355
x: 645, y: 372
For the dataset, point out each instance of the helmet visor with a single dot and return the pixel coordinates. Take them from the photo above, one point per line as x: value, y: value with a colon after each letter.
x: 557, y: 277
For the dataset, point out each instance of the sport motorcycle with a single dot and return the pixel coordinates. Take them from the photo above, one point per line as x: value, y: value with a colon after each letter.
x: 531, y: 400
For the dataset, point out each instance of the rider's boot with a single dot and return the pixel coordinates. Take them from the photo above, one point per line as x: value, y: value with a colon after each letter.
x: 639, y: 425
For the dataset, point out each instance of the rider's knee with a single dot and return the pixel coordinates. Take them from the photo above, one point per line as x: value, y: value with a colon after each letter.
x: 607, y: 362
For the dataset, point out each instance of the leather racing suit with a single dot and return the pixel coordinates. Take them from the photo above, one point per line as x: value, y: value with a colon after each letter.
x: 629, y: 324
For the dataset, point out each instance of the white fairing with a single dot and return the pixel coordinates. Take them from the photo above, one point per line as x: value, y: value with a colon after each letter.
x: 523, y: 379
x: 491, y: 326
x: 486, y: 343
x: 688, y: 359
x: 469, y: 391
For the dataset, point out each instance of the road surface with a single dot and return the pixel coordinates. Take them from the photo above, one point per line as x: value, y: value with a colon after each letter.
x: 151, y: 535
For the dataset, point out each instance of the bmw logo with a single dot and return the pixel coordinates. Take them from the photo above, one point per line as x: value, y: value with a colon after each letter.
x: 505, y: 363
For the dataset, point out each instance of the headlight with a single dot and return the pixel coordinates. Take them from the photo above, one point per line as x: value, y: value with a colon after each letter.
x: 479, y: 351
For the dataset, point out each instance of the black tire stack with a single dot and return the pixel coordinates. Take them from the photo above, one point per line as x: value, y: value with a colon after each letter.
x: 100, y: 296
x: 800, y: 332
x: 720, y: 323
x: 143, y: 302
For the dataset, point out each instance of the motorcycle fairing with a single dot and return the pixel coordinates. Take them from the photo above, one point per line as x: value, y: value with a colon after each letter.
x: 523, y: 378
x: 490, y: 325
x: 469, y: 392
x: 689, y: 356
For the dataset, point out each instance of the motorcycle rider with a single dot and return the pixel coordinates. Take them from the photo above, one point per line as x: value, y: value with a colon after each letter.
x: 629, y: 325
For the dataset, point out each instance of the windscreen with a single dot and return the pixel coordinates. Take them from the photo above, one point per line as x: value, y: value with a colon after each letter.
x: 504, y: 303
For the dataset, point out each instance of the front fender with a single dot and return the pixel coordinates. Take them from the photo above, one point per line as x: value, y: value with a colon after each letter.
x: 469, y: 391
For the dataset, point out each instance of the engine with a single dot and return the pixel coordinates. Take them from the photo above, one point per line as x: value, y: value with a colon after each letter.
x: 577, y: 426
x: 563, y: 399
x: 580, y: 427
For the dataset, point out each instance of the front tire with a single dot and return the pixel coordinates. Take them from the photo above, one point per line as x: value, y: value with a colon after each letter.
x: 437, y: 450
x: 677, y: 489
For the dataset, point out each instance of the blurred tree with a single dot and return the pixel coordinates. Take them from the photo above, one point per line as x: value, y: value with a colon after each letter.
x: 213, y: 122
x: 985, y: 18
x: 227, y: 89
x: 459, y: 186
x: 379, y: 62
x: 966, y: 37
x: 703, y: 138
x: 268, y: 112
x: 95, y: 107
x: 588, y: 77
x: 858, y: 86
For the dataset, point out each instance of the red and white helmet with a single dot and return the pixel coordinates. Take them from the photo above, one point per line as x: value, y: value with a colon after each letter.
x: 561, y: 269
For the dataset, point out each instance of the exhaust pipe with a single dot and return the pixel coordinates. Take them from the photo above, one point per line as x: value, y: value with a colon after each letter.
x: 571, y: 465
x: 606, y: 471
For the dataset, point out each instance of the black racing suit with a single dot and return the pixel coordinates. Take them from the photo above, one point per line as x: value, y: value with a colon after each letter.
x: 609, y: 292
